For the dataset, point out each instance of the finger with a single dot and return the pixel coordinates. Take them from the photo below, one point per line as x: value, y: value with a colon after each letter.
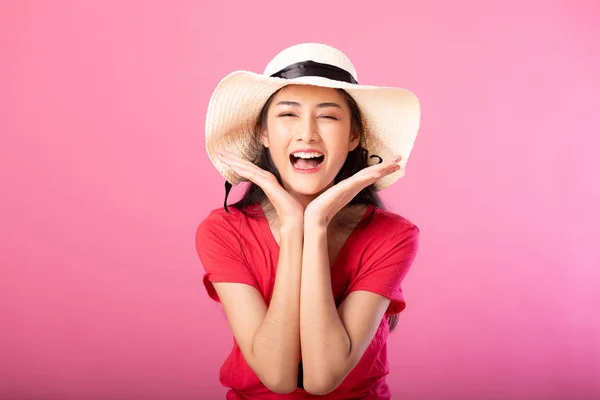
x: 237, y: 158
x: 244, y: 171
x: 263, y: 179
x: 374, y: 176
x: 368, y: 176
x: 378, y: 171
x: 229, y: 159
x: 254, y: 176
x: 234, y: 161
x: 391, y: 164
x: 251, y: 172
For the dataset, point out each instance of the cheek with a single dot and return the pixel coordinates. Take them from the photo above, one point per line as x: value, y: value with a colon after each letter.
x: 279, y: 132
x: 275, y: 134
x: 338, y: 144
x: 278, y: 146
x: 337, y: 159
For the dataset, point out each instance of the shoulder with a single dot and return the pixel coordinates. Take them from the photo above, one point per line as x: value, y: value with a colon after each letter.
x: 219, y: 217
x: 387, y: 238
x: 390, y: 225
x: 219, y: 224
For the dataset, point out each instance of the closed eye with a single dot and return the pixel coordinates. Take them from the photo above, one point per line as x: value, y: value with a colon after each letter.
x: 322, y: 116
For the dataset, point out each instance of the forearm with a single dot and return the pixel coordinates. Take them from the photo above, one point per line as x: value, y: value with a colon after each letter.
x: 324, y: 341
x: 276, y: 344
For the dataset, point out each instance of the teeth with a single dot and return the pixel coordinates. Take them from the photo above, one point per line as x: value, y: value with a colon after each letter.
x: 306, y: 155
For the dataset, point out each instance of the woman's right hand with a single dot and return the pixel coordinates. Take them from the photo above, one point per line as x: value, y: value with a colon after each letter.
x: 289, y: 210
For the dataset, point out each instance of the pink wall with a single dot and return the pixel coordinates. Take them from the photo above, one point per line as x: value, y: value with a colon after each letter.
x: 104, y: 180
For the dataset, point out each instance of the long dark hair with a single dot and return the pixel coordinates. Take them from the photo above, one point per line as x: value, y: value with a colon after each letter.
x: 357, y: 160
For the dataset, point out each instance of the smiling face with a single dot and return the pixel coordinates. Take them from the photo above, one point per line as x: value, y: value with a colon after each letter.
x: 308, y: 134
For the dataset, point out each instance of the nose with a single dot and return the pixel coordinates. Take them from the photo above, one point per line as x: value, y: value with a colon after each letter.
x: 308, y: 130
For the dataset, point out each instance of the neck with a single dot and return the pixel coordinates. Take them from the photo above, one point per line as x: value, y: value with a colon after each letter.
x: 346, y: 218
x: 305, y: 199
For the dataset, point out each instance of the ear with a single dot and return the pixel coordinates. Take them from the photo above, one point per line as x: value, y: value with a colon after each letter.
x: 264, y: 137
x: 354, y: 140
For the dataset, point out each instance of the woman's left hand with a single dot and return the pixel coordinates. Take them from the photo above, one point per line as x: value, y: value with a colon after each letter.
x: 321, y: 210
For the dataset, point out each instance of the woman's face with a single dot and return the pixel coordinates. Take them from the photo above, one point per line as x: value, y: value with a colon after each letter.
x: 308, y: 133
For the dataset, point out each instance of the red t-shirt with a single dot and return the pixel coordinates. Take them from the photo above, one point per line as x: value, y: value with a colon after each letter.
x: 376, y: 257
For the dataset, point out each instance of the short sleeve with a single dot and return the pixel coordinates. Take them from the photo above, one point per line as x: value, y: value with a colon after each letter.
x: 219, y: 249
x: 385, y: 269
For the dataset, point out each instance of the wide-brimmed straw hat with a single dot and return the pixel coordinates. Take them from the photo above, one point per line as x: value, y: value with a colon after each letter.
x: 391, y: 116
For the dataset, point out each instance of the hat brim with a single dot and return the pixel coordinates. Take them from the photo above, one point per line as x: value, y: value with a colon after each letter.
x: 391, y: 118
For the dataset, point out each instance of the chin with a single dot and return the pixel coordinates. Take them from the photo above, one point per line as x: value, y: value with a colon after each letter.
x: 307, y: 188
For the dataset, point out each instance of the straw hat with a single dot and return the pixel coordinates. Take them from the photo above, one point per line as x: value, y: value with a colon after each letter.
x: 391, y: 116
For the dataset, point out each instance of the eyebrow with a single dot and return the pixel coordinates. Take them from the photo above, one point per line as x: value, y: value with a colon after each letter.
x: 296, y: 104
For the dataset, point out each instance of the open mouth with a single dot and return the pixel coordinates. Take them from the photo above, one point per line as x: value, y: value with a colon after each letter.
x: 306, y: 160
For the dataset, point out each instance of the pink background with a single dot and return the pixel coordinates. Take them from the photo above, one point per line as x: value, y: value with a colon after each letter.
x: 104, y: 180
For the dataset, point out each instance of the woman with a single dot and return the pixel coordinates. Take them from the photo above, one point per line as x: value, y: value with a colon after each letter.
x: 308, y: 265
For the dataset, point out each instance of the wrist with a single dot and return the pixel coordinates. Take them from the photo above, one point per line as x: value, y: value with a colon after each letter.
x: 291, y: 225
x: 316, y: 226
x: 315, y: 222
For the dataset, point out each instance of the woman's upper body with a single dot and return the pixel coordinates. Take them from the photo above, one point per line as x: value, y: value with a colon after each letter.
x: 307, y: 265
x: 375, y: 257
